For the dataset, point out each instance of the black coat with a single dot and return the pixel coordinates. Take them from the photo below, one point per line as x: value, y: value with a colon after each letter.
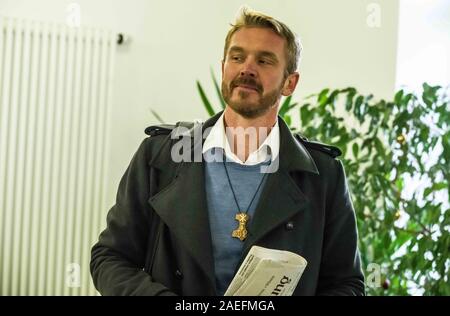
x: 158, y: 240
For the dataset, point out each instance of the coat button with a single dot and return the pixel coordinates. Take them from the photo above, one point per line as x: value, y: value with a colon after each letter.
x: 178, y: 274
x: 289, y: 225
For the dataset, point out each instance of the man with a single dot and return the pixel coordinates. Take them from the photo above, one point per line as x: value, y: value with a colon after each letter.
x: 182, y: 227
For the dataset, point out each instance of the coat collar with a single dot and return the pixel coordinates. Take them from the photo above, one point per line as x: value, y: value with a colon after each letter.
x: 217, y: 138
x: 182, y: 204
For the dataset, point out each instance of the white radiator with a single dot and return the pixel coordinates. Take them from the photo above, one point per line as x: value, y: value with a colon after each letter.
x: 55, y: 95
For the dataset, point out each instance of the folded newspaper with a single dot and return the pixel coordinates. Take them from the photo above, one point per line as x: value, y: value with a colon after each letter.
x: 267, y: 272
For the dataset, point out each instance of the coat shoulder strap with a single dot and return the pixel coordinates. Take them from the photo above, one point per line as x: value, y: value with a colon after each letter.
x: 163, y: 129
x: 333, y: 151
x: 166, y: 129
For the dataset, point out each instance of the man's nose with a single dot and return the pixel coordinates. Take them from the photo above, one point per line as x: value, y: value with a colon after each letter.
x: 248, y: 68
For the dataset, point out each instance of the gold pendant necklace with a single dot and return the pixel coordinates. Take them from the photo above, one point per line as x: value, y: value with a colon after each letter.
x: 241, y: 231
x: 242, y: 217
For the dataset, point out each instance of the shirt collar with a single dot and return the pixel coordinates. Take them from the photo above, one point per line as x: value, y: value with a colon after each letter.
x: 269, y: 148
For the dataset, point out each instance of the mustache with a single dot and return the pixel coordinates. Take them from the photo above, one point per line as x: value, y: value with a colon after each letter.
x: 248, y: 81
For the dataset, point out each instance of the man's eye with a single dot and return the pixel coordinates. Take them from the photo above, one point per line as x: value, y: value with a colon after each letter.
x: 264, y: 61
x: 236, y: 58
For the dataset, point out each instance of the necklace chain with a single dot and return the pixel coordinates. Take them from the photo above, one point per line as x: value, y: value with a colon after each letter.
x: 234, y: 194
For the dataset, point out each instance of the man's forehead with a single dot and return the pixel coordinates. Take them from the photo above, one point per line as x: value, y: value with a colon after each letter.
x: 256, y: 38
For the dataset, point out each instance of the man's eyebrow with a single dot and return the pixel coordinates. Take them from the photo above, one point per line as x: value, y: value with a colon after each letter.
x: 268, y: 54
x: 235, y: 49
x: 264, y: 53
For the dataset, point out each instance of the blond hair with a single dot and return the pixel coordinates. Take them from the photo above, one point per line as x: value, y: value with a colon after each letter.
x: 250, y: 18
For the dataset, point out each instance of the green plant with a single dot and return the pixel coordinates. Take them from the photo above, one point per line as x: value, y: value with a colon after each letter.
x: 384, y: 145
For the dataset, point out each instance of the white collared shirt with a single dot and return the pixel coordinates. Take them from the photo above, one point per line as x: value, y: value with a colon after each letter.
x: 217, y: 138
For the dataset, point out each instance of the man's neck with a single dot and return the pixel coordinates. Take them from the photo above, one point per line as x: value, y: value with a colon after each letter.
x: 255, y: 131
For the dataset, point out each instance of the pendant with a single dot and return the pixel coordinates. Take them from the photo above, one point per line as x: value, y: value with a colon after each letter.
x: 241, y: 231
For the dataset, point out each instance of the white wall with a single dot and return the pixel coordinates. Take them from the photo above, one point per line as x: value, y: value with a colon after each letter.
x: 424, y: 44
x: 176, y: 42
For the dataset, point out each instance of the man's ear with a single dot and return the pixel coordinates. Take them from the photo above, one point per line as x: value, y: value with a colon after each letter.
x: 290, y: 83
x: 223, y: 64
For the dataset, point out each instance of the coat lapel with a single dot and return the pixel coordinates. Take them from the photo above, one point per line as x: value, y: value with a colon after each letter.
x: 182, y: 204
x: 281, y: 198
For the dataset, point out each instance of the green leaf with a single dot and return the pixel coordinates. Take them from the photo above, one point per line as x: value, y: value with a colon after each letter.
x: 429, y: 94
x: 349, y: 102
x: 332, y: 98
x: 355, y: 149
x: 310, y: 96
x: 354, y: 134
x: 218, y: 90
x: 359, y: 100
x: 368, y: 98
x: 408, y: 98
x: 287, y: 119
x: 435, y: 187
x: 285, y: 106
x: 205, y: 100
x: 322, y: 98
x: 305, y: 114
x: 157, y: 116
x: 399, y: 183
x: 398, y: 97
x: 358, y: 107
